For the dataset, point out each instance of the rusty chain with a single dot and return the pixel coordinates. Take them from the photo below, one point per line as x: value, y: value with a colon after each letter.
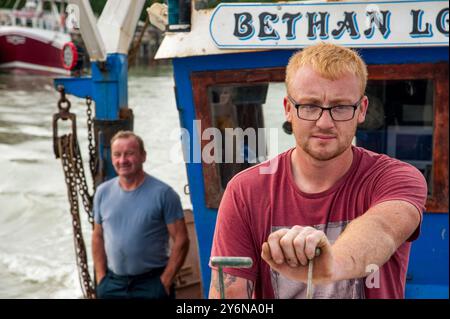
x: 81, y: 182
x: 91, y: 147
x: 68, y: 150
x: 71, y: 172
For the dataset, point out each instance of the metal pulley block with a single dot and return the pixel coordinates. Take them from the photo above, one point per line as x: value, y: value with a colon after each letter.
x: 63, y: 114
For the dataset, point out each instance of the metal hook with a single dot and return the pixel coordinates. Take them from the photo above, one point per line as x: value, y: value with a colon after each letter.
x: 64, y: 115
x: 62, y: 100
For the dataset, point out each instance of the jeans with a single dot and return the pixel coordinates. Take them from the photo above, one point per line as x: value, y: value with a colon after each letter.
x: 145, y: 286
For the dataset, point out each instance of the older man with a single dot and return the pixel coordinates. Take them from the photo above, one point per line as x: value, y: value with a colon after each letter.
x: 135, y: 214
x: 360, y: 208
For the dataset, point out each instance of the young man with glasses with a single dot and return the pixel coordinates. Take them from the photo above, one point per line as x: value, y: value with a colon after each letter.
x: 361, y: 209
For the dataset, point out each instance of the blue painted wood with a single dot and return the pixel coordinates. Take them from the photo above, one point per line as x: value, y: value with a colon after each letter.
x: 204, y: 218
x: 428, y: 265
x: 108, y: 88
x: 80, y: 87
x: 279, y: 58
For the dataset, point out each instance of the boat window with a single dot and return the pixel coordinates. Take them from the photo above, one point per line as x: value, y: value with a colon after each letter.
x: 407, y: 119
x: 399, y: 122
x: 249, y: 118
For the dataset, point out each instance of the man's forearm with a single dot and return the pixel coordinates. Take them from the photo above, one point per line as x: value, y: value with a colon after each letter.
x: 178, y: 255
x: 373, y: 238
x: 234, y: 287
x: 99, y: 256
x: 359, y: 246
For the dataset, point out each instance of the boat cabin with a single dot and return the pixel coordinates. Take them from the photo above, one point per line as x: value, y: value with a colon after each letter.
x: 229, y: 69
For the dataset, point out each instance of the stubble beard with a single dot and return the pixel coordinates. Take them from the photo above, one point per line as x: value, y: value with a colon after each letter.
x: 324, y: 154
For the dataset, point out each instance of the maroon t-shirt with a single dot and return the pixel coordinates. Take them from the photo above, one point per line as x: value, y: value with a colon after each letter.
x: 254, y: 205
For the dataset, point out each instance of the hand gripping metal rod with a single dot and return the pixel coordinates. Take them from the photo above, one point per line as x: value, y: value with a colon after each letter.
x: 229, y: 262
x: 309, y: 286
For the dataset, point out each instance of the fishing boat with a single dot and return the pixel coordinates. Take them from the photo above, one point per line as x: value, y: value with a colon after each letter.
x: 228, y: 57
x: 229, y: 67
x: 32, y: 38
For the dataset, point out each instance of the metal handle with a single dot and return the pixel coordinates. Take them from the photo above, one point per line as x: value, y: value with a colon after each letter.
x: 309, y: 285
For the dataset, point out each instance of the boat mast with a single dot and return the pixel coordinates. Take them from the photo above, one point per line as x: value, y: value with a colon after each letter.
x: 57, y: 15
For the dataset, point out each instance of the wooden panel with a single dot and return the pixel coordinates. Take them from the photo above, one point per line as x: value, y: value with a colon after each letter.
x: 211, y: 178
x: 405, y: 71
x: 439, y: 199
x: 201, y: 81
x: 188, y: 280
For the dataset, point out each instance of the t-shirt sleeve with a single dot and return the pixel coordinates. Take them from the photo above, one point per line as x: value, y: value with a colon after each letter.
x: 172, y: 206
x: 401, y: 181
x: 232, y: 235
x: 97, y: 213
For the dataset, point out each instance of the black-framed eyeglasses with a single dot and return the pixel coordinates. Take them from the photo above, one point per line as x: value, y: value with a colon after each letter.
x: 312, y: 112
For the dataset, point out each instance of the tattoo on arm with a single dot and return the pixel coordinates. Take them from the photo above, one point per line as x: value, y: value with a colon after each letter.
x: 232, y: 282
x: 228, y: 280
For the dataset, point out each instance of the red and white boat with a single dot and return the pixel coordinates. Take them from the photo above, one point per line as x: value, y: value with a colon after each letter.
x: 31, y: 39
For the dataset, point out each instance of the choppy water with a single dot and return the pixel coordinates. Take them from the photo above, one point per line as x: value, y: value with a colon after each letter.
x: 36, y: 247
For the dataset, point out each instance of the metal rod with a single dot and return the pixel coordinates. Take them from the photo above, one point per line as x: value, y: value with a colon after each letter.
x: 221, y: 283
x: 232, y: 262
x: 309, y: 284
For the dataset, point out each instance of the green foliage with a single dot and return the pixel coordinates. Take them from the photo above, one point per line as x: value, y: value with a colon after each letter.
x: 98, y: 5
x: 8, y: 4
x: 214, y: 3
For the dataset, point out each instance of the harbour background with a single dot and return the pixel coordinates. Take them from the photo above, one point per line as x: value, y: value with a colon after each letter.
x: 37, y: 258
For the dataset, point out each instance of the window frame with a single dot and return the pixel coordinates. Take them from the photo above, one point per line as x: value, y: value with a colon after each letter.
x: 437, y: 72
x: 201, y: 81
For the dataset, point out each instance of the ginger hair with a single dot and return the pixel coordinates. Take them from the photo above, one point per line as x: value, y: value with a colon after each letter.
x: 330, y: 61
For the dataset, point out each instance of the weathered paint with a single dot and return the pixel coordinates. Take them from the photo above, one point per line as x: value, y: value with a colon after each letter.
x: 180, y: 44
x: 428, y: 265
